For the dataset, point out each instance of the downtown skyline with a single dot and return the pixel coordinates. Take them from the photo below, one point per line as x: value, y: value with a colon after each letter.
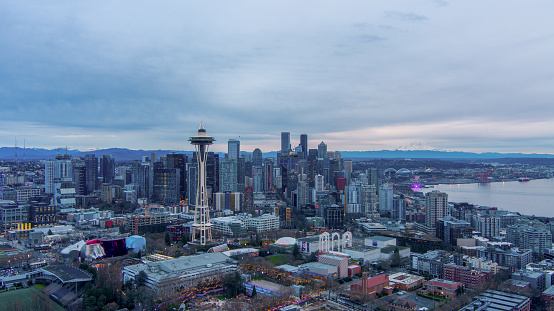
x: 365, y: 75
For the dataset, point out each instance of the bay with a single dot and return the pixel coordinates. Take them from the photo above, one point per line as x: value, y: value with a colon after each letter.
x: 535, y: 197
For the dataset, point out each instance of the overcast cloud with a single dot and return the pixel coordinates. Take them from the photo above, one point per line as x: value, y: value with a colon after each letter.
x: 359, y: 75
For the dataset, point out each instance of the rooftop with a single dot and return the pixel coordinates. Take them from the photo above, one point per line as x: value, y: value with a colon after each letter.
x: 362, y: 248
x: 67, y: 273
x: 182, y: 266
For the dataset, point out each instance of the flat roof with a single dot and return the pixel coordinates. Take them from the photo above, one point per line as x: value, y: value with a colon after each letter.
x: 333, y: 257
x: 362, y: 248
x: 390, y: 249
x: 380, y: 238
x: 274, y: 287
x: 309, y: 239
x: 67, y: 273
x: 320, y: 265
x: 183, y: 265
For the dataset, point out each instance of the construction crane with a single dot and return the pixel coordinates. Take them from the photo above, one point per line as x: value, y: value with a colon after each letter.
x: 484, y: 177
x: 137, y: 219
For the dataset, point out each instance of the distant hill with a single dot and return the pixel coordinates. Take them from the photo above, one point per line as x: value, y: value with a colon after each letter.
x: 123, y: 154
x: 119, y: 154
x: 434, y: 154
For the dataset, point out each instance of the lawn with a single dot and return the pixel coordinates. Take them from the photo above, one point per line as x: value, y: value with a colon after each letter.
x: 25, y: 298
x: 279, y: 259
x: 40, y: 286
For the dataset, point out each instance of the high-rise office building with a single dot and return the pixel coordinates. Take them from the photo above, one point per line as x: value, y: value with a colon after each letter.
x: 386, y: 194
x: 212, y: 173
x: 488, y: 225
x: 166, y: 184
x: 322, y: 151
x: 91, y: 162
x: 144, y: 178
x: 57, y: 170
x: 80, y: 176
x: 436, y: 208
x: 268, y: 174
x: 398, y: 208
x: 179, y: 161
x: 319, y: 183
x: 257, y: 158
x: 233, y: 148
x: 285, y: 143
x: 192, y: 181
x: 312, y: 167
x: 347, y: 166
x: 372, y: 177
x: 107, y: 168
x: 304, y: 144
x: 228, y: 175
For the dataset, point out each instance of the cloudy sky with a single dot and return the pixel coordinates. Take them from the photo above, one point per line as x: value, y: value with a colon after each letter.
x: 360, y: 75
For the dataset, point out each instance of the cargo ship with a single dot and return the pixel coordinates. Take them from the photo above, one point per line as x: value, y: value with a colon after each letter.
x: 523, y: 179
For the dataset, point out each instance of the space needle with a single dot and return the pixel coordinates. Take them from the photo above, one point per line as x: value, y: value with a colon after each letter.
x: 201, y: 211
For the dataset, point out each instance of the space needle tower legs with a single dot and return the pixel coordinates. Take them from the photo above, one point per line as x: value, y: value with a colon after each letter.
x: 201, y: 211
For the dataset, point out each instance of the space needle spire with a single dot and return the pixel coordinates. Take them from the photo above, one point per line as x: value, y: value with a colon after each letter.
x: 201, y: 211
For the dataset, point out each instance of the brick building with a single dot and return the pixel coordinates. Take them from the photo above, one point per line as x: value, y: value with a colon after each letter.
x: 466, y: 275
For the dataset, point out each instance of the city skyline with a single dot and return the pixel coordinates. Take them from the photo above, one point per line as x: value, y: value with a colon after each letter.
x: 364, y: 76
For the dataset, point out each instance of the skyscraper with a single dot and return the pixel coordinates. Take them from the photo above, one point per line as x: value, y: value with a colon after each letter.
x: 166, y: 184
x: 386, y: 194
x: 322, y: 151
x: 285, y: 143
x: 91, y: 162
x: 257, y: 158
x: 80, y: 176
x: 436, y: 208
x: 201, y: 211
x: 304, y: 144
x: 107, y: 168
x: 312, y: 167
x: 233, y: 148
x: 179, y: 161
x: 228, y: 180
x: 57, y: 170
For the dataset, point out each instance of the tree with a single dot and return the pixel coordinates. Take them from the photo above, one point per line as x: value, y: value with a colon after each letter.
x: 395, y: 258
x: 140, y: 279
x: 296, y: 252
x: 167, y: 239
x: 185, y: 239
x: 233, y: 284
x: 50, y: 232
x: 254, y: 292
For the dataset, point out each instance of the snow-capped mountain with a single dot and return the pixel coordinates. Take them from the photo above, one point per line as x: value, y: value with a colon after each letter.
x: 418, y: 146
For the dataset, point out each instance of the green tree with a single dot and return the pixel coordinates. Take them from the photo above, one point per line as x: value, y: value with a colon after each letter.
x: 185, y: 239
x: 233, y: 284
x: 50, y: 232
x: 140, y: 279
x: 167, y: 239
x: 296, y: 252
x: 254, y: 292
x: 395, y: 258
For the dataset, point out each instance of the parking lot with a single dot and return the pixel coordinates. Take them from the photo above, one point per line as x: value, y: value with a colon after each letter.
x: 421, y: 302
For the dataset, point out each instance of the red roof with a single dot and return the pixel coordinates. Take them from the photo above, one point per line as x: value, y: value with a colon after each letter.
x: 448, y: 285
x: 377, y: 280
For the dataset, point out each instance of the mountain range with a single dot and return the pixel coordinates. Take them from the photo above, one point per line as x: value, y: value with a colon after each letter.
x: 123, y: 154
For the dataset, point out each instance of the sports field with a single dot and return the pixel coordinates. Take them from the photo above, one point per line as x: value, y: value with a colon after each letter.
x: 25, y: 298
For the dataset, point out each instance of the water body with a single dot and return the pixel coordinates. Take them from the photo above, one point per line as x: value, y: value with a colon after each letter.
x: 535, y: 197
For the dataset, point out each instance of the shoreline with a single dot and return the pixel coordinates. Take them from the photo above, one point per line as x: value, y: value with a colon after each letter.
x: 473, y: 181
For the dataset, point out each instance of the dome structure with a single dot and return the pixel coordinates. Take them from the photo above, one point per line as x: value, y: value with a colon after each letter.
x: 286, y: 241
x: 403, y: 172
x: 389, y: 172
